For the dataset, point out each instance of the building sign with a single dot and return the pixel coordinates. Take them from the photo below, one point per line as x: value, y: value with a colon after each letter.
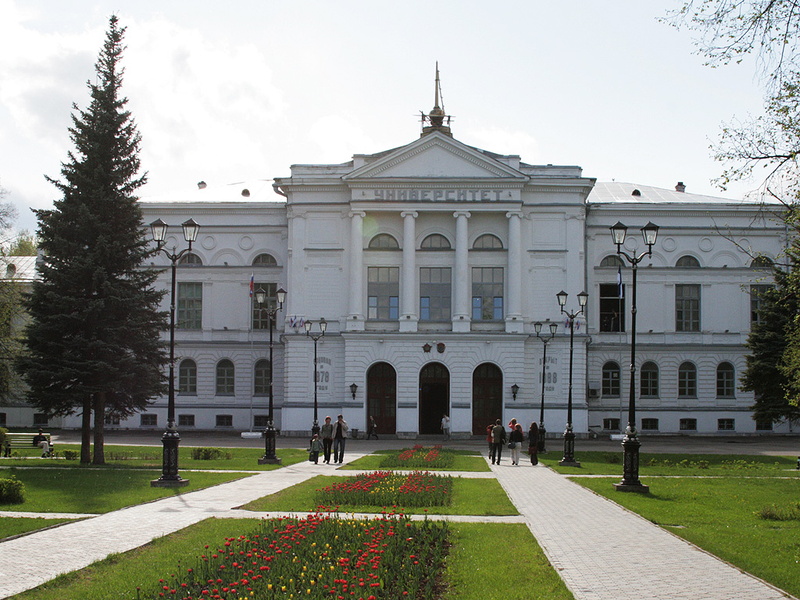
x: 324, y: 376
x: 550, y: 373
x: 445, y: 195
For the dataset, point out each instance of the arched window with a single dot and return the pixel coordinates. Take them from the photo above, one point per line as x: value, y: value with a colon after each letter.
x: 225, y: 376
x: 761, y: 262
x: 265, y: 260
x: 612, y: 260
x: 262, y: 373
x: 726, y: 380
x: 11, y: 270
x: 487, y: 241
x: 187, y: 377
x: 191, y: 259
x: 611, y: 379
x: 435, y: 241
x: 687, y: 380
x: 648, y: 380
x: 688, y: 262
x: 383, y: 241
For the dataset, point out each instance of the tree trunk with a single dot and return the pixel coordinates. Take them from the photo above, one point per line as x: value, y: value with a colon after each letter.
x: 86, y: 431
x: 99, y: 425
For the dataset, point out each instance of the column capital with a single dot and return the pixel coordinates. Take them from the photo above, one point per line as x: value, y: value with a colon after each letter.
x: 409, y: 213
x: 514, y: 213
x: 357, y: 213
x: 462, y: 213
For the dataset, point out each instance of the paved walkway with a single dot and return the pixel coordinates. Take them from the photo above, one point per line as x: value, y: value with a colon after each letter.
x: 602, y: 551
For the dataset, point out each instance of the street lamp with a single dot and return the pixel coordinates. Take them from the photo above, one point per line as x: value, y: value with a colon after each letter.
x: 270, y: 458
x: 569, y: 436
x: 353, y: 389
x: 514, y: 391
x: 630, y: 444
x: 323, y: 325
x: 171, y: 438
x: 537, y: 327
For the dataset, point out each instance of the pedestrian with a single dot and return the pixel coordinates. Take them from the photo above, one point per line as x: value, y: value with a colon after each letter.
x: 326, y: 432
x: 446, y: 427
x: 533, y: 443
x: 372, y: 428
x: 340, y: 431
x: 41, y: 440
x: 498, y: 439
x: 489, y: 428
x: 515, y: 439
x: 314, y: 448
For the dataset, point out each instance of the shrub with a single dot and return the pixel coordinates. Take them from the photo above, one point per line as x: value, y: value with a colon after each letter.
x: 70, y: 454
x: 613, y: 458
x: 773, y: 512
x: 210, y: 454
x: 12, y: 491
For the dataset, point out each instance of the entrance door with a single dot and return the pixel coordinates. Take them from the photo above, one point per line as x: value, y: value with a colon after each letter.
x: 434, y: 397
x: 382, y: 396
x: 487, y: 397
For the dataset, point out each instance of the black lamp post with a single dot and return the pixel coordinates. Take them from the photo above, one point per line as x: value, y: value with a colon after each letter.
x: 323, y: 325
x: 270, y: 458
x: 630, y: 444
x: 537, y: 327
x: 171, y: 438
x: 569, y: 436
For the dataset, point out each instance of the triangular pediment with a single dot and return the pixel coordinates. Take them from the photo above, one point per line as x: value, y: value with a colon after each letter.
x: 435, y: 156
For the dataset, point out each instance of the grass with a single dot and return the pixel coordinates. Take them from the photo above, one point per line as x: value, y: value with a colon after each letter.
x: 470, y: 497
x: 722, y: 517
x: 11, y: 526
x: 470, y: 575
x: 465, y: 460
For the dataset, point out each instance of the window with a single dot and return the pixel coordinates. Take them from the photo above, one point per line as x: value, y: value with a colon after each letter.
x: 487, y: 241
x: 225, y: 373
x: 487, y: 294
x: 260, y: 314
x: 148, y: 420
x: 190, y: 306
x: 612, y: 260
x: 688, y: 262
x: 187, y: 377
x: 261, y: 375
x: 612, y: 307
x: 687, y: 381
x: 726, y: 380
x: 383, y: 241
x: 383, y: 293
x: 40, y: 419
x: 191, y: 259
x: 3, y: 417
x: 757, y: 302
x: 611, y: 380
x: 224, y: 420
x: 648, y: 380
x: 726, y: 424
x: 112, y: 420
x: 185, y: 420
x: 265, y: 260
x: 687, y: 308
x: 763, y: 425
x: 434, y: 293
x: 260, y: 421
x: 688, y: 425
x: 761, y: 262
x: 611, y: 424
x: 435, y: 241
x: 649, y: 424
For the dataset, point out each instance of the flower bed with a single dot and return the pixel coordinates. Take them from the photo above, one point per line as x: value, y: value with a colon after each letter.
x: 419, y: 457
x: 386, y: 488
x: 321, y: 556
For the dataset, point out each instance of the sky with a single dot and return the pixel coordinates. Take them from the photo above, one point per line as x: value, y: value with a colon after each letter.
x: 239, y: 91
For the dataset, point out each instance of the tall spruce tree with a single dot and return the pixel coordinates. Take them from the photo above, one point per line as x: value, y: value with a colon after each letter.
x: 93, y: 345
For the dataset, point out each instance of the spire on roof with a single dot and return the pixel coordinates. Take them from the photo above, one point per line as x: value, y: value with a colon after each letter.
x: 437, y: 116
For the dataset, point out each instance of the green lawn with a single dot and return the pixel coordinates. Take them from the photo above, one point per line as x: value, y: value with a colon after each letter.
x: 11, y: 526
x: 470, y: 497
x: 465, y: 460
x: 721, y: 516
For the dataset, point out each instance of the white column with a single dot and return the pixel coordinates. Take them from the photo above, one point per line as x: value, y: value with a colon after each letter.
x: 514, y: 273
x: 408, y: 278
x: 461, y: 279
x: 355, y: 320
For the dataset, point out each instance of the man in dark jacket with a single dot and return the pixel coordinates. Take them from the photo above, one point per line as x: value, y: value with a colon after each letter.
x: 498, y: 440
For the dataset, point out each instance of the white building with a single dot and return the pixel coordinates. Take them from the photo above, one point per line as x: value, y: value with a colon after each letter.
x: 430, y: 263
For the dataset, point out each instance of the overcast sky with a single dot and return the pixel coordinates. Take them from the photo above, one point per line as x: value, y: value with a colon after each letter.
x: 240, y: 91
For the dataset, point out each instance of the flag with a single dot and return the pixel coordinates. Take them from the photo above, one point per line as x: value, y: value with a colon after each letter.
x: 619, y: 281
x: 252, y: 284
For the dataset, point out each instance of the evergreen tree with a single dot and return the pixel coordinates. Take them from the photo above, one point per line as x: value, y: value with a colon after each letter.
x: 93, y: 342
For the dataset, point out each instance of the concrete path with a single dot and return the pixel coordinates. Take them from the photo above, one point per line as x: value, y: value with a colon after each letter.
x: 602, y: 551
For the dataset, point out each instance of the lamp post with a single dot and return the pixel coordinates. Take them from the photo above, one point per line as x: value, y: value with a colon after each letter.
x: 537, y: 327
x: 171, y: 438
x: 514, y: 392
x: 569, y: 436
x: 630, y: 444
x: 270, y: 458
x: 323, y: 325
x: 353, y: 389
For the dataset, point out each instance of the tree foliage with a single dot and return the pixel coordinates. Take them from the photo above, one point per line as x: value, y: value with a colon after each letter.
x: 94, y: 339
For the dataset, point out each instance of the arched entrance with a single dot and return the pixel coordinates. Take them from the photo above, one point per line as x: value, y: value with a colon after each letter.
x: 382, y: 396
x: 487, y: 396
x: 434, y: 397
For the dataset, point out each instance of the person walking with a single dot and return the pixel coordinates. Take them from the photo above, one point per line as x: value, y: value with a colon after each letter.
x: 372, y: 428
x: 446, y: 427
x: 314, y: 448
x: 515, y: 439
x: 533, y: 443
x: 489, y: 441
x: 498, y: 439
x: 326, y: 433
x: 340, y: 432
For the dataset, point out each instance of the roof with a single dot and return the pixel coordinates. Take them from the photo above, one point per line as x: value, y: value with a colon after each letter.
x: 619, y: 193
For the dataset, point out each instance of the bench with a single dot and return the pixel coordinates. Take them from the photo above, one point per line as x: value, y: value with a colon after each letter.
x: 16, y: 440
